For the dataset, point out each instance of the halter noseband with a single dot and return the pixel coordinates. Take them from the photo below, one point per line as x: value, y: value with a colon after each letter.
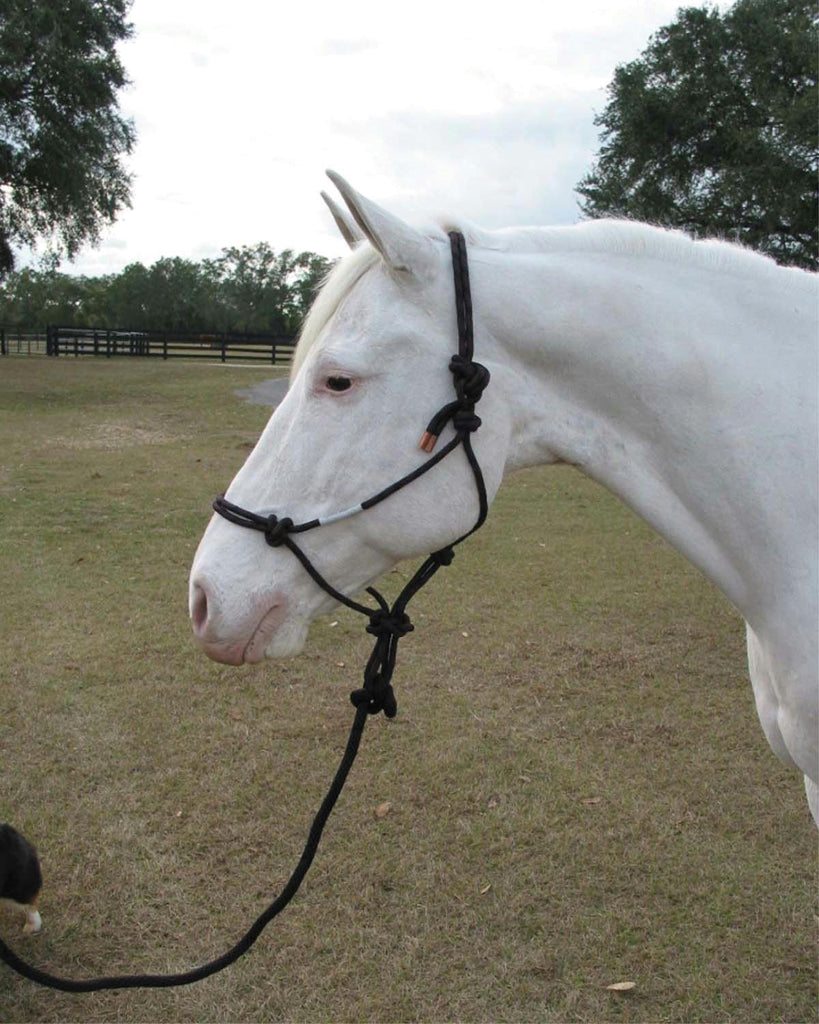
x: 387, y: 624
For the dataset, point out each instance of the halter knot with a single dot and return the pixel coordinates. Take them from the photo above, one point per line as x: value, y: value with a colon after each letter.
x: 386, y: 623
x: 470, y: 379
x: 383, y: 700
x: 443, y: 557
x: 277, y: 529
x: 465, y: 421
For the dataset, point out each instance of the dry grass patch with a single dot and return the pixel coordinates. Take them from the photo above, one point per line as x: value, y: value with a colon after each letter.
x: 579, y: 791
x: 114, y: 436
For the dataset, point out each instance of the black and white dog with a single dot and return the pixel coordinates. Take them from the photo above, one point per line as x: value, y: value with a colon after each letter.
x: 20, y: 877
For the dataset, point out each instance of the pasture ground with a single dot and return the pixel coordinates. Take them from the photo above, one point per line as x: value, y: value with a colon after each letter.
x: 579, y: 791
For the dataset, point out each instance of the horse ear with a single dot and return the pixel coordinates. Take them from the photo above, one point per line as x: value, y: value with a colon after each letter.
x: 349, y: 230
x: 401, y: 246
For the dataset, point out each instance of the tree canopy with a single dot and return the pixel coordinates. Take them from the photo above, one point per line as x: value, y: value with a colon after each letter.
x: 62, y: 136
x: 249, y: 288
x: 713, y: 129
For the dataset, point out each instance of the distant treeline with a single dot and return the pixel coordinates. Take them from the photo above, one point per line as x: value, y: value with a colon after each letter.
x: 251, y: 288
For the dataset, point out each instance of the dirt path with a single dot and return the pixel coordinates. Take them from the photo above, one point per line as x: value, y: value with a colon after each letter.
x: 268, y: 392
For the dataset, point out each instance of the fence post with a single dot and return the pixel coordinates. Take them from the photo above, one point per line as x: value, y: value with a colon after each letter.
x: 3, y: 342
x: 164, y: 344
x: 224, y: 345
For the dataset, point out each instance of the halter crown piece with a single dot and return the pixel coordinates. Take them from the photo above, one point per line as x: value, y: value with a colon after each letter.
x: 387, y: 624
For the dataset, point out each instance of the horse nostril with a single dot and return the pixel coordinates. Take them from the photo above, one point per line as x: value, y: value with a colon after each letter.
x: 199, y: 609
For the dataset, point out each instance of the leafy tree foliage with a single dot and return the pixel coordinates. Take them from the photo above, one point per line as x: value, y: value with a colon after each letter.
x: 713, y: 129
x: 36, y: 297
x: 171, y: 294
x: 61, y: 133
x: 260, y: 290
x: 251, y: 288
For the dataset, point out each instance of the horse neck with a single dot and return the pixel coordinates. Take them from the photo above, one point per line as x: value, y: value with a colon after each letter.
x: 660, y: 381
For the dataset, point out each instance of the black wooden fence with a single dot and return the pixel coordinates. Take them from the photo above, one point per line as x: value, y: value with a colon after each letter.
x: 23, y: 341
x: 110, y: 343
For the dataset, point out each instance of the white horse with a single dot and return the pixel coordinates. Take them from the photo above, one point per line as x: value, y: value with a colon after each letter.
x: 681, y: 375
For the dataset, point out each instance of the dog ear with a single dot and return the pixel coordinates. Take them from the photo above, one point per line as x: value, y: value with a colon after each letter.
x: 401, y: 247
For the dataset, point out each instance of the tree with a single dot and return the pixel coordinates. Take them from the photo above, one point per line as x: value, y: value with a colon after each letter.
x: 313, y: 270
x: 713, y: 129
x: 247, y: 288
x: 61, y: 133
x: 171, y: 294
x: 260, y: 290
x: 34, y: 298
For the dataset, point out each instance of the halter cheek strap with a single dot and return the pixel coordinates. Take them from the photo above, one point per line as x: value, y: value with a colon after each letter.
x: 389, y: 624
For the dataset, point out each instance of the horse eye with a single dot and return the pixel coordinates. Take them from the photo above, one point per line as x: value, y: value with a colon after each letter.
x: 339, y: 383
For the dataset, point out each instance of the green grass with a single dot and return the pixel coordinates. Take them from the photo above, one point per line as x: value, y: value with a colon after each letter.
x: 580, y: 791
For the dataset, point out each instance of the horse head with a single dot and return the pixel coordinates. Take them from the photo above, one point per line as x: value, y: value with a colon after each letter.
x: 370, y: 369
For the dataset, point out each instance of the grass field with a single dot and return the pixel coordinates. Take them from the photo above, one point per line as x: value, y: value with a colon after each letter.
x: 580, y: 793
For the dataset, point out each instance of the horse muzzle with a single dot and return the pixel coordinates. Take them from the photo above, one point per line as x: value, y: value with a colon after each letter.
x: 258, y: 627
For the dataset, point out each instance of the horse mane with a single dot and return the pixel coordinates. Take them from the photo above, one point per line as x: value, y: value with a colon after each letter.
x: 605, y: 236
x: 621, y: 237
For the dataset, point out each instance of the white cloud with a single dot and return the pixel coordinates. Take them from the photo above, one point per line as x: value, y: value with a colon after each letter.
x: 481, y: 110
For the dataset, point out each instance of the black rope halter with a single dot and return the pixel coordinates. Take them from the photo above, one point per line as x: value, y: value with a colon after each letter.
x: 387, y: 624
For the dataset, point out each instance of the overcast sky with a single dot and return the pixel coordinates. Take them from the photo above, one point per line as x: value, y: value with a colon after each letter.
x: 483, y: 110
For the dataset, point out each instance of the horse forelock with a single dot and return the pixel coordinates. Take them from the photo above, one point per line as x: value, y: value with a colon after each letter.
x: 336, y: 286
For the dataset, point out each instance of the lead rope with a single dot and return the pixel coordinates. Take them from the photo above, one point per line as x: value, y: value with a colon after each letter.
x: 387, y: 624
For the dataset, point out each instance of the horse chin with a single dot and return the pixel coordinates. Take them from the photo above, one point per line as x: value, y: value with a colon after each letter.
x: 275, y: 639
x: 287, y: 643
